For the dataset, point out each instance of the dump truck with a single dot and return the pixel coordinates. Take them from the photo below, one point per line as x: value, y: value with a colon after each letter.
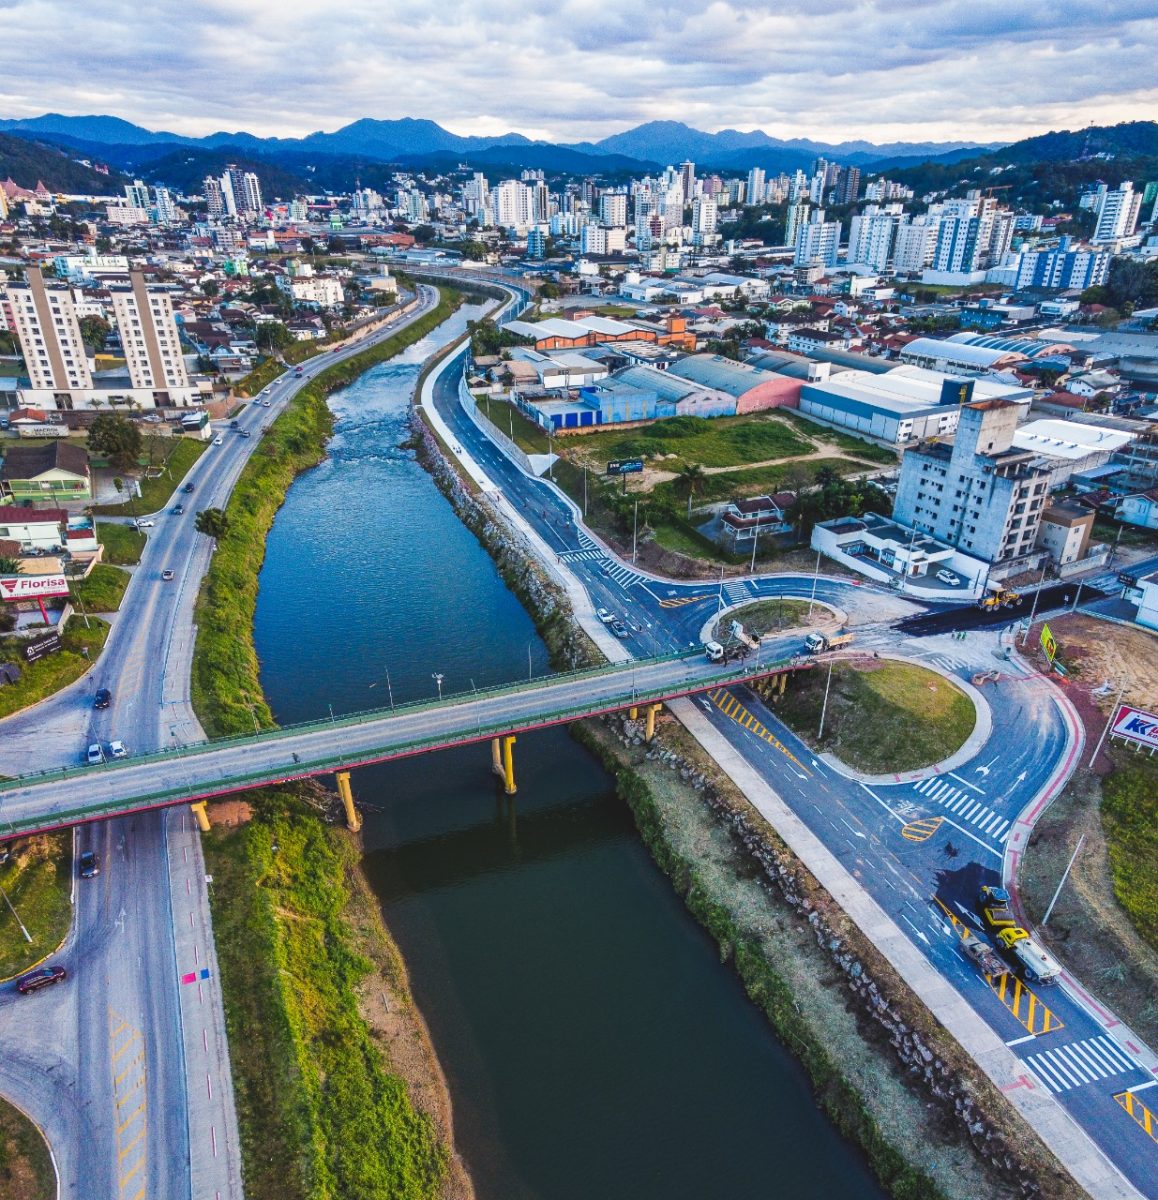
x: 726, y: 652
x: 818, y: 643
x: 1001, y: 598
x: 982, y: 954
x: 1039, y: 966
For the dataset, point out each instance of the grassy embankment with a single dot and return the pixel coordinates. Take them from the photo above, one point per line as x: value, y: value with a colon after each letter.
x: 123, y: 544
x: 321, y: 1117
x: 37, y: 879
x: 226, y: 689
x: 772, y: 616
x: 882, y: 716
x: 155, y: 492
x: 25, y: 1165
x: 47, y: 676
x: 102, y: 590
x: 1130, y: 821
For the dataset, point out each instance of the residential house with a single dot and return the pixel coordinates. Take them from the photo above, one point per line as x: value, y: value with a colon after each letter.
x: 58, y: 471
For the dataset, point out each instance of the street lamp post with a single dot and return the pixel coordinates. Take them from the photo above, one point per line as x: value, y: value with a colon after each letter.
x: 635, y: 531
x: 438, y: 677
x: 1033, y: 607
x: 755, y: 543
x: 389, y: 689
x: 815, y: 579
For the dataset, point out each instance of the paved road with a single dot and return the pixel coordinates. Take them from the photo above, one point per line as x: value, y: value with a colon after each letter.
x: 125, y: 1067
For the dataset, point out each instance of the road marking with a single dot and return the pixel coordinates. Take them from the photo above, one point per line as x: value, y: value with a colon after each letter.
x: 128, y: 1090
x: 680, y: 601
x: 1077, y: 1063
x: 922, y: 830
x: 1141, y: 1114
x: 1019, y: 1041
x: 130, y: 1118
x: 966, y: 783
x: 733, y: 709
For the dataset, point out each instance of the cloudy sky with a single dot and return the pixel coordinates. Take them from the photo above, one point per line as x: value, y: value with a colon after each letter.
x: 574, y: 69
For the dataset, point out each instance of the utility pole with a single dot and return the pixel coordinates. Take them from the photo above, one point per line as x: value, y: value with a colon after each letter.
x: 720, y: 595
x: 1077, y: 595
x: 824, y: 706
x: 584, y: 491
x: 1033, y: 609
x: 755, y: 543
x: 1061, y: 882
x: 815, y: 577
x: 1109, y: 722
x: 635, y: 530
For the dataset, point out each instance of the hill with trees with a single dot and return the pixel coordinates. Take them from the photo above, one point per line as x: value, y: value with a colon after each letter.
x: 28, y: 163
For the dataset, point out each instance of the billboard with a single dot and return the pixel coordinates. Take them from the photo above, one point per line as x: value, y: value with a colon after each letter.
x: 32, y: 587
x: 625, y: 466
x: 47, y: 643
x: 1136, y: 725
x: 1048, y: 643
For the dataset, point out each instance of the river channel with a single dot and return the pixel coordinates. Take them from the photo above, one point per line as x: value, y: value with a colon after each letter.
x: 593, y: 1042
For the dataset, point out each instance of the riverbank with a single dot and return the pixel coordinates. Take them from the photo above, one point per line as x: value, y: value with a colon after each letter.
x: 339, y: 1091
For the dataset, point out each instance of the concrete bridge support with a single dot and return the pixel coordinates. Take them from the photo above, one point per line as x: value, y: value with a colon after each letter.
x: 503, y: 761
x: 353, y: 816
x: 649, y: 730
x: 199, y: 812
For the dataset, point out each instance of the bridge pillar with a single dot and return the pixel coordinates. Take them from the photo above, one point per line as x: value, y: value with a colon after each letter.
x: 198, y: 811
x: 353, y: 816
x: 633, y: 713
x: 783, y: 682
x: 649, y: 731
x: 509, y: 765
x: 497, y: 756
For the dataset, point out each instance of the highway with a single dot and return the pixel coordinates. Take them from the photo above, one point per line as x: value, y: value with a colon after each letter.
x: 124, y: 1066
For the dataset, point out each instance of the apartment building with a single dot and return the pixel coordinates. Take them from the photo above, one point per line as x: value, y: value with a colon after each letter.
x: 149, y: 337
x: 48, y: 327
x: 1117, y: 213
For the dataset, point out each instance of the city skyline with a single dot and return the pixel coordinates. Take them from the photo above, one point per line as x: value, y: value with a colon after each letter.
x: 574, y: 72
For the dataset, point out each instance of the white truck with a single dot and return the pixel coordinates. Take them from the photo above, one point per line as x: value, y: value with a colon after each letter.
x: 818, y: 643
x: 726, y: 653
x: 1039, y: 966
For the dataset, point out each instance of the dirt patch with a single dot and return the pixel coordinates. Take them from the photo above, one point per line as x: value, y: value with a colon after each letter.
x: 1099, y: 652
x: 230, y: 812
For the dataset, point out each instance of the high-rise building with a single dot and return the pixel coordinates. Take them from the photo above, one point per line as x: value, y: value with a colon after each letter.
x: 915, y: 243
x: 536, y: 243
x: 613, y: 208
x: 1062, y: 267
x: 688, y: 181
x: 797, y: 216
x: 848, y: 185
x: 137, y: 194
x: 870, y: 236
x: 251, y: 186
x: 514, y: 205
x: 754, y: 194
x: 214, y: 196
x: 704, y: 214
x: 817, y: 242
x: 1117, y: 213
x: 148, y: 331
x: 44, y: 315
x: 540, y: 201
x: 164, y: 206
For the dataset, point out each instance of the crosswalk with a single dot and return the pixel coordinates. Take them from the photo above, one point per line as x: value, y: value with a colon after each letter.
x: 737, y: 591
x: 622, y: 575
x: 570, y: 556
x: 1066, y: 1067
x: 950, y: 662
x: 964, y: 807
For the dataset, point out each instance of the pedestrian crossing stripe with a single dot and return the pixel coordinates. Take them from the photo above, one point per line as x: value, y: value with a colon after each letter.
x: 1136, y: 1109
x: 965, y: 808
x: 921, y: 830
x: 580, y: 555
x: 733, y: 709
x: 680, y: 601
x: 1077, y: 1063
x: 1024, y: 1005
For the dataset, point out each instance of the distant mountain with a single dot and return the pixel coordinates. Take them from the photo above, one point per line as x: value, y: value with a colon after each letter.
x: 90, y: 129
x: 28, y: 162
x: 1131, y: 139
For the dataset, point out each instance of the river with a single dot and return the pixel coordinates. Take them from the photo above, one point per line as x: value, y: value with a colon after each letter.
x: 593, y: 1042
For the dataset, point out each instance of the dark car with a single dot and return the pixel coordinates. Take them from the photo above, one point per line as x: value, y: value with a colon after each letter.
x: 89, y: 865
x: 44, y: 977
x: 102, y: 699
x: 187, y: 488
x: 178, y: 509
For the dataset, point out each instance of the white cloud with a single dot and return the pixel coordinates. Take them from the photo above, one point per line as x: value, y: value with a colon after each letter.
x: 575, y: 69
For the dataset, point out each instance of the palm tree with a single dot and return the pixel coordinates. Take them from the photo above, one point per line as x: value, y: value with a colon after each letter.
x: 8, y: 566
x: 692, y: 480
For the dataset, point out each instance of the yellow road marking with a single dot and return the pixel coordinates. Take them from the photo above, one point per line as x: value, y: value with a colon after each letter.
x: 125, y: 1179
x: 1141, y: 1114
x: 130, y: 1118
x: 132, y: 1064
x: 114, y: 1032
x: 125, y: 1097
x: 136, y: 1037
x: 732, y: 708
x: 139, y: 1194
x: 680, y: 601
x: 121, y: 1154
x: 921, y: 830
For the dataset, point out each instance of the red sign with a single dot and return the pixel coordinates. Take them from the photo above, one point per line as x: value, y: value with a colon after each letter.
x: 32, y: 587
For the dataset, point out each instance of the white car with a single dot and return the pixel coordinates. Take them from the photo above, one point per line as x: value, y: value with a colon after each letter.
x: 948, y: 577
x: 118, y: 749
x: 144, y: 523
x: 219, y: 440
x: 95, y: 754
x: 265, y: 404
x: 604, y: 616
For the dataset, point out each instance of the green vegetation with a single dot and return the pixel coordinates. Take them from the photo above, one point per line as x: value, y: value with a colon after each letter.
x: 260, y: 377
x: 213, y: 522
x: 37, y: 879
x: 754, y: 481
x: 26, y: 1171
x: 103, y: 590
x: 488, y: 338
x: 882, y: 716
x: 116, y: 438
x: 321, y: 1116
x: 47, y: 676
x: 155, y: 491
x: 846, y: 441
x: 226, y: 690
x: 771, y: 616
x: 123, y: 544
x: 1130, y: 822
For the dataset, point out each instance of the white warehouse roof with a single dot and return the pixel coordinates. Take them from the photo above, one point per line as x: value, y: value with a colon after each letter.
x: 980, y: 357
x: 1066, y: 439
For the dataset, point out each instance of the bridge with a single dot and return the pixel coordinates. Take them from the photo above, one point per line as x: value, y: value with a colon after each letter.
x: 200, y: 772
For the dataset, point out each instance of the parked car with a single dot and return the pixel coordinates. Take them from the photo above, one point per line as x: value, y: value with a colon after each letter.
x: 187, y: 488
x: 947, y: 576
x: 118, y: 749
x: 144, y: 523
x: 178, y: 509
x: 102, y: 699
x: 89, y: 865
x: 218, y: 440
x: 40, y: 978
x: 95, y: 754
x: 167, y: 574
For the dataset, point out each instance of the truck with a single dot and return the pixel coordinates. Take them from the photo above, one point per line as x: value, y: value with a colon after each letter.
x: 1039, y: 967
x: 818, y: 643
x: 726, y: 652
x: 979, y: 952
x: 1001, y: 598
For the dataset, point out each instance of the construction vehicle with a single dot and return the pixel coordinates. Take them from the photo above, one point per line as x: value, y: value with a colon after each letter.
x: 995, y: 910
x: 726, y: 652
x: 1001, y: 598
x: 1039, y: 966
x: 983, y: 955
x: 818, y: 643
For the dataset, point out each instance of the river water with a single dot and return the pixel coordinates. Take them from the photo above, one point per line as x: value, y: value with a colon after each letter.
x: 594, y: 1044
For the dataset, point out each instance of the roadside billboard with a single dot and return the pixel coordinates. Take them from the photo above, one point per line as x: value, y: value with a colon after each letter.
x: 625, y: 466
x: 1136, y: 725
x: 1048, y: 643
x: 37, y: 648
x: 32, y: 587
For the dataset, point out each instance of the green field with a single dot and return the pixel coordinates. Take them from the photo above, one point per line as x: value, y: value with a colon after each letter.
x: 846, y: 441
x: 37, y: 879
x: 123, y: 544
x: 102, y: 591
x: 55, y: 671
x: 26, y: 1171
x: 155, y: 493
x: 1130, y: 822
x: 755, y: 481
x: 882, y: 716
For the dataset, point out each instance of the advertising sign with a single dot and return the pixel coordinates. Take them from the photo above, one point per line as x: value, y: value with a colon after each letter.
x: 625, y: 466
x: 48, y: 643
x: 1136, y: 725
x: 32, y: 587
x: 1048, y: 644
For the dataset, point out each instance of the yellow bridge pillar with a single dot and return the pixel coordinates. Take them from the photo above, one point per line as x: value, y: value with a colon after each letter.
x: 509, y: 765
x: 649, y: 731
x: 496, y: 756
x: 633, y: 713
x: 783, y: 682
x: 202, y: 816
x: 353, y: 817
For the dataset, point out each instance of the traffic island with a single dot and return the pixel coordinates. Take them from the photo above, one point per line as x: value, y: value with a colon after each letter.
x: 36, y: 907
x: 26, y: 1171
x: 81, y: 644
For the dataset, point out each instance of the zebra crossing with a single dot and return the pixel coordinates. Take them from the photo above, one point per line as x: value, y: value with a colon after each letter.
x: 622, y: 575
x: 965, y: 807
x: 570, y: 556
x: 736, y: 592
x: 950, y: 662
x: 1066, y: 1067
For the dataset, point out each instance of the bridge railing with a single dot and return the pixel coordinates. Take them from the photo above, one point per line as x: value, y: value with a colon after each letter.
x: 345, y: 755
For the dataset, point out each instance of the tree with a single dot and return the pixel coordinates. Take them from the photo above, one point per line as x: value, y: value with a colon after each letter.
x: 117, y: 439
x: 212, y: 521
x: 210, y: 288
x: 423, y: 233
x: 273, y: 335
x: 691, y: 481
x: 93, y: 331
x: 8, y: 566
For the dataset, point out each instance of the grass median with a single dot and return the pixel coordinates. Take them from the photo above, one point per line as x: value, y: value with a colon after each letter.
x: 81, y: 646
x: 36, y: 879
